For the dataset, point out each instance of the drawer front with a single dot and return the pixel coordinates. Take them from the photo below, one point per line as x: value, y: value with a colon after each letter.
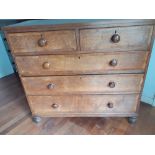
x: 78, y: 104
x: 42, y: 41
x: 117, y: 62
x: 88, y: 84
x: 116, y: 39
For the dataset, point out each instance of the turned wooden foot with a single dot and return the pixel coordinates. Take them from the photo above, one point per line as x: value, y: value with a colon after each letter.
x: 36, y: 119
x: 132, y: 120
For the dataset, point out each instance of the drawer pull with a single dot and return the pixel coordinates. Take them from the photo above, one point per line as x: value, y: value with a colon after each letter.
x: 115, y: 38
x: 110, y: 105
x: 50, y: 86
x: 113, y: 62
x: 111, y: 84
x: 54, y: 105
x: 42, y: 42
x: 46, y: 65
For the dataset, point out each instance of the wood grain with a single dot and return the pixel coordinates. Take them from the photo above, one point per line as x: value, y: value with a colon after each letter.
x: 15, y: 119
x: 83, y: 104
x: 56, y: 40
x: 96, y: 63
x: 13, y: 104
x: 132, y: 38
x: 74, y: 54
x: 102, y: 24
x: 84, y: 84
x: 87, y: 125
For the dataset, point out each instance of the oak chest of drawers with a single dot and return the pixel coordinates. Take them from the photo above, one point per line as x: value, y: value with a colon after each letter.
x: 94, y: 69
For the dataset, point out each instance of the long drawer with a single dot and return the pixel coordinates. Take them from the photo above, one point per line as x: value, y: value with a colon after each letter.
x: 116, y: 39
x: 84, y: 84
x: 42, y: 41
x: 97, y: 63
x: 83, y: 104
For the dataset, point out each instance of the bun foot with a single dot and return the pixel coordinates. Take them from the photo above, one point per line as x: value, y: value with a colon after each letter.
x: 132, y: 120
x: 36, y: 119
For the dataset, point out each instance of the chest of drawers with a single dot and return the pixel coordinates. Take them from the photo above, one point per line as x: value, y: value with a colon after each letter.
x: 94, y: 69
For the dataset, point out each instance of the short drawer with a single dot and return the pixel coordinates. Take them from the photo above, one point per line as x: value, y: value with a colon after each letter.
x: 97, y: 63
x: 83, y: 104
x: 84, y: 84
x: 42, y: 41
x: 116, y: 39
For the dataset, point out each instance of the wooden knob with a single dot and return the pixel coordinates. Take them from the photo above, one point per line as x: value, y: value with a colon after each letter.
x: 46, y: 65
x: 113, y: 62
x: 110, y: 105
x: 50, y: 86
x: 111, y: 84
x: 54, y: 105
x: 115, y: 38
x: 42, y: 42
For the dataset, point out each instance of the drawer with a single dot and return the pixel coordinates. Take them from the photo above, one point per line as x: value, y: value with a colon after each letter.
x: 84, y: 84
x: 42, y: 41
x: 83, y: 104
x: 116, y: 39
x: 97, y: 63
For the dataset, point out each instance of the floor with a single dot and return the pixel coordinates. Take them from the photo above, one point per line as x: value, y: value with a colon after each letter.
x: 15, y: 117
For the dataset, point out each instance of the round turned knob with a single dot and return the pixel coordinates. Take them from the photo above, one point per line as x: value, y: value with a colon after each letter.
x: 113, y: 62
x: 46, y: 65
x: 110, y: 105
x: 50, y: 86
x: 111, y: 84
x: 54, y: 105
x: 115, y: 38
x: 42, y: 42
